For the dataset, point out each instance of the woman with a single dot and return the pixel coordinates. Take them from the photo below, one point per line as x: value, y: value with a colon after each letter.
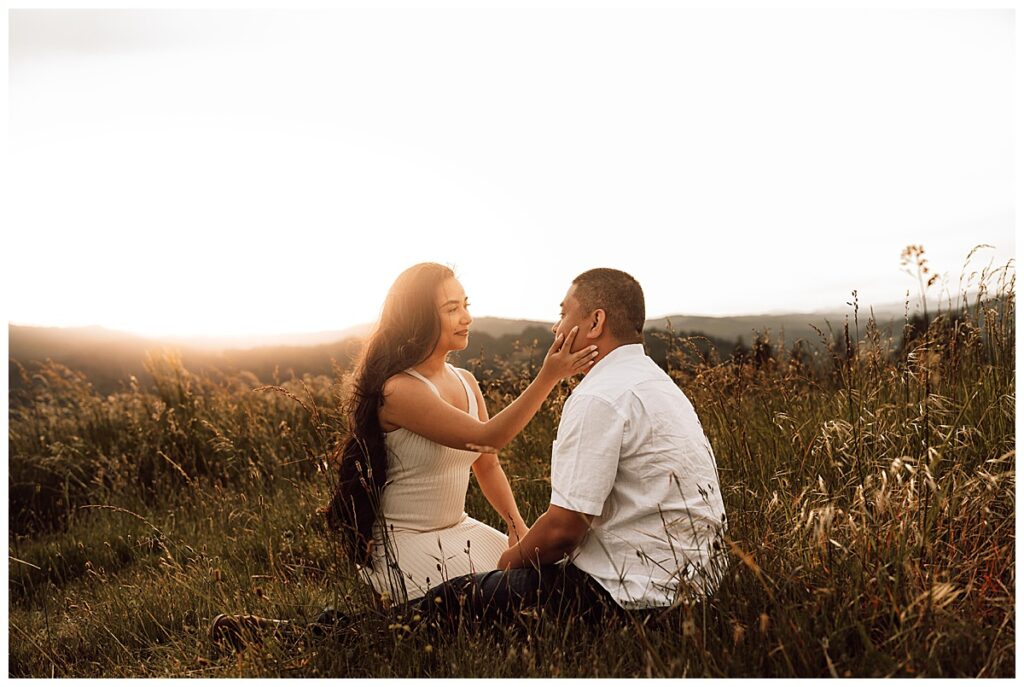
x: 418, y: 426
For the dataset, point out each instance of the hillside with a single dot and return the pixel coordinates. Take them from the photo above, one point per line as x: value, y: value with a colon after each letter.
x: 108, y: 357
x: 794, y: 325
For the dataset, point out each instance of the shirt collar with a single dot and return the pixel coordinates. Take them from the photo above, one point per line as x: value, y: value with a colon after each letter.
x: 615, y: 356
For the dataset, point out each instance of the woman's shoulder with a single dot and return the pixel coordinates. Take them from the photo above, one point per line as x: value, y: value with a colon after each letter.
x: 399, y: 383
x: 465, y: 374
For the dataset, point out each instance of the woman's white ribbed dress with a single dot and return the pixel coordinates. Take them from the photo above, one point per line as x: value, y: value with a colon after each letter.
x: 423, y: 536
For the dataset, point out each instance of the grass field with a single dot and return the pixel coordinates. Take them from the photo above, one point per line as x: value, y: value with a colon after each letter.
x: 870, y: 495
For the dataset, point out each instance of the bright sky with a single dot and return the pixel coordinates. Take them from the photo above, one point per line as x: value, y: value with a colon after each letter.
x: 250, y: 172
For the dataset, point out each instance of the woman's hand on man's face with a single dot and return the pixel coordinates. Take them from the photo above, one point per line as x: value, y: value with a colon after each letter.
x: 560, y: 362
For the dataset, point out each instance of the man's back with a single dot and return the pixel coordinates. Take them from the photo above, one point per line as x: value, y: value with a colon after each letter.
x: 631, y: 451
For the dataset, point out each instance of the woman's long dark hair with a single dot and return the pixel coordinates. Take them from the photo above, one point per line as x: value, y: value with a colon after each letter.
x: 408, y: 330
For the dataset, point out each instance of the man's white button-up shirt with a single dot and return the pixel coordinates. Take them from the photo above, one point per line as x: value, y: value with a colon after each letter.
x: 631, y: 451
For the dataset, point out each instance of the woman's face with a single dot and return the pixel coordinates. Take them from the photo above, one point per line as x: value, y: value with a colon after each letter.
x: 453, y: 313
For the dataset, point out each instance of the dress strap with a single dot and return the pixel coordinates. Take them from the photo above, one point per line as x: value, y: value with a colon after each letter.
x: 470, y: 396
x: 413, y: 373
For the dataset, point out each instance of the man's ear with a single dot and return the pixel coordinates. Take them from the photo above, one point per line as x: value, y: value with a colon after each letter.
x: 596, y: 324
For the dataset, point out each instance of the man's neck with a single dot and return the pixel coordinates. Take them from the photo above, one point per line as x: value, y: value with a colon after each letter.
x: 604, y: 348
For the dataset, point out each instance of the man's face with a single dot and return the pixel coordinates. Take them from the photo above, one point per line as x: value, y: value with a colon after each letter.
x: 572, y: 315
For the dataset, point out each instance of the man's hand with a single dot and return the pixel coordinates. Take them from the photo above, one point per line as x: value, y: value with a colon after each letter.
x: 555, y: 534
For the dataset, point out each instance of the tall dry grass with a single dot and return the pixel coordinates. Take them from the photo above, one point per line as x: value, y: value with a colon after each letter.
x: 870, y: 491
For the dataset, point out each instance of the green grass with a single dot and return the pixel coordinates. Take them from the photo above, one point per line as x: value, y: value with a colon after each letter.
x: 870, y: 495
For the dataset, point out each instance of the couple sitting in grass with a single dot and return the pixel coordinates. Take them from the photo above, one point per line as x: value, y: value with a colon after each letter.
x: 636, y: 515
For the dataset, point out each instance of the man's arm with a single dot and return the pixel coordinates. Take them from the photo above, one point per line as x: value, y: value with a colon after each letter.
x: 556, y: 533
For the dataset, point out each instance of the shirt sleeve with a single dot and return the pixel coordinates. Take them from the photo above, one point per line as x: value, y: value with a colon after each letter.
x: 585, y: 455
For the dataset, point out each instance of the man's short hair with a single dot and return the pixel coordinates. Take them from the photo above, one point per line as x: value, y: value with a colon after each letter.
x: 619, y: 295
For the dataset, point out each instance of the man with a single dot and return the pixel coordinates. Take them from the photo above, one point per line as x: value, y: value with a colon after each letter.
x: 635, y: 499
x: 636, y: 515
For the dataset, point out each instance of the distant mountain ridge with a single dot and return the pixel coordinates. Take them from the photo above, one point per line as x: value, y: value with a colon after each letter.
x: 222, y: 343
x: 108, y: 357
x: 727, y: 326
x: 493, y: 326
x: 793, y: 325
x: 28, y: 342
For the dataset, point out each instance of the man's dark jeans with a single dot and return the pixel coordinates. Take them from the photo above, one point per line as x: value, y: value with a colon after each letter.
x: 559, y: 589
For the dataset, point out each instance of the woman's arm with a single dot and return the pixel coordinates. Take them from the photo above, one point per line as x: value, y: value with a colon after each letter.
x: 492, y: 479
x: 410, y: 404
x: 498, y: 492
